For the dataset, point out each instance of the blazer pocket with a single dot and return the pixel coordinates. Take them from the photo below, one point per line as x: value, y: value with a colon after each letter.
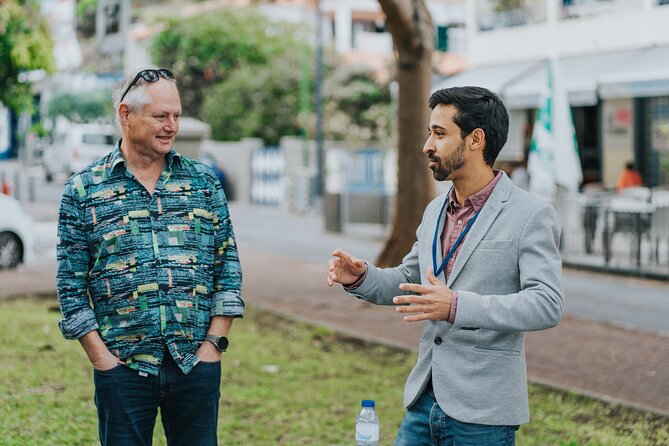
x: 496, y: 352
x: 495, y: 244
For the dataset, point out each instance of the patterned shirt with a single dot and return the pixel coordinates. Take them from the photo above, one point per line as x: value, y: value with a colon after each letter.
x: 147, y: 271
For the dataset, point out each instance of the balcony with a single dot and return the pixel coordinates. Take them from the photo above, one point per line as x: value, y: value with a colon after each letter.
x: 496, y: 14
x: 588, y: 8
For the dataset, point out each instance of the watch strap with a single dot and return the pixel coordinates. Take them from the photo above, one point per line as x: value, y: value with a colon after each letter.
x: 214, y: 340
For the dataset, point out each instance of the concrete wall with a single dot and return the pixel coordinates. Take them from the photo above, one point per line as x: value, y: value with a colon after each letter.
x: 235, y: 159
x: 191, y: 136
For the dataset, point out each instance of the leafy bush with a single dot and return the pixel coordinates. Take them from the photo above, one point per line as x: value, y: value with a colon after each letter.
x: 86, y: 12
x: 205, y: 50
x: 82, y: 108
x: 256, y: 100
x: 248, y: 76
x: 358, y: 106
x: 25, y: 45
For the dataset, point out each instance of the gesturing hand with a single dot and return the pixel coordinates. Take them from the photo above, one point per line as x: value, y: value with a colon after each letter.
x: 345, y: 268
x: 433, y: 301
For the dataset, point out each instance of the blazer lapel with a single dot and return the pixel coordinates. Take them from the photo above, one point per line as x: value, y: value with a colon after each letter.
x: 486, y: 218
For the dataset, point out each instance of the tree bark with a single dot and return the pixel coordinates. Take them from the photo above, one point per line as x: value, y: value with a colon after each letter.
x: 410, y: 24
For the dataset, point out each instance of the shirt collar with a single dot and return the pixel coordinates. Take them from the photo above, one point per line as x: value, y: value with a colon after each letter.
x: 116, y: 157
x: 477, y: 200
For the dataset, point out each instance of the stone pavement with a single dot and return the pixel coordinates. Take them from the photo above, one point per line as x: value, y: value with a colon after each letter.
x: 607, y: 361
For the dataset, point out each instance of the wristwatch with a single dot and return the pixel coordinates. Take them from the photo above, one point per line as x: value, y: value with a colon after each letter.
x: 221, y: 342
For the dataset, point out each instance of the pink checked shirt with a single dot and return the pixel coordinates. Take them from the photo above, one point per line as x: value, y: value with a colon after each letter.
x: 457, y: 218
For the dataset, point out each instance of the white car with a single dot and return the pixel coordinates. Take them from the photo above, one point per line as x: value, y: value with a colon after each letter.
x: 17, y: 238
x: 76, y: 147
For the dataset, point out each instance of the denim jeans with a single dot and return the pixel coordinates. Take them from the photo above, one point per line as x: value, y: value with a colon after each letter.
x: 426, y: 424
x: 128, y: 404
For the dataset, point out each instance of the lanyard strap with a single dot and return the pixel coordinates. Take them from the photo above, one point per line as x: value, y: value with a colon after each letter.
x: 438, y: 271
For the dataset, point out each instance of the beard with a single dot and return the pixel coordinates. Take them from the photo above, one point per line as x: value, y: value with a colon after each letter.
x: 453, y: 162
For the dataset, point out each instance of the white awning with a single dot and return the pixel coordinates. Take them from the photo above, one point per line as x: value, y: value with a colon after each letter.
x: 620, y: 74
x: 493, y: 77
x: 645, y: 74
x: 580, y: 76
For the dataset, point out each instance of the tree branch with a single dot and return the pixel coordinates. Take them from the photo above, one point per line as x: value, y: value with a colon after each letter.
x: 409, y: 23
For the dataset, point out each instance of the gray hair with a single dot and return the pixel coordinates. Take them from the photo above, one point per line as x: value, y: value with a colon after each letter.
x: 136, y: 98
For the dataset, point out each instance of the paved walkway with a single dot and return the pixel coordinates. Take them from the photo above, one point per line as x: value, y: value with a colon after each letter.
x: 599, y: 359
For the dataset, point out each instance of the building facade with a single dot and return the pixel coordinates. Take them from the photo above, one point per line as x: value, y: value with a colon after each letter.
x: 615, y: 67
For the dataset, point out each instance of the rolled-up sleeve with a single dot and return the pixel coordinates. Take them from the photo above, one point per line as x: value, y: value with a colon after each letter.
x: 73, y: 265
x: 227, y: 298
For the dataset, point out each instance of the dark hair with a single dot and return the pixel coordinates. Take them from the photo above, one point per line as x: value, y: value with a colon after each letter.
x: 630, y: 165
x: 477, y: 108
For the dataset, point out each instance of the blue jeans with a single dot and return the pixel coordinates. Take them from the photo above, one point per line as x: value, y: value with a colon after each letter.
x: 426, y: 424
x: 128, y: 404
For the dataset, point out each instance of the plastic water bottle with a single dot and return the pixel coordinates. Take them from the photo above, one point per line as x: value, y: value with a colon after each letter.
x: 367, y: 425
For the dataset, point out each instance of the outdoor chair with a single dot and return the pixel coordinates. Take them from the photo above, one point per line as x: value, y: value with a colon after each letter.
x: 630, y: 216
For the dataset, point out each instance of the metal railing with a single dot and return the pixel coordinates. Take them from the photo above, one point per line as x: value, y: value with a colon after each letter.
x: 626, y: 233
x: 584, y: 8
x: 267, y: 176
x: 495, y: 14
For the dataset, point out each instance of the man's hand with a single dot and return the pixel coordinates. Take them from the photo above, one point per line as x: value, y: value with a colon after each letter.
x: 98, y: 353
x: 208, y: 352
x: 218, y: 326
x: 345, y: 268
x: 106, y: 362
x: 432, y: 303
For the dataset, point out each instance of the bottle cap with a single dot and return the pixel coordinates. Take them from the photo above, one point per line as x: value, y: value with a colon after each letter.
x: 368, y: 403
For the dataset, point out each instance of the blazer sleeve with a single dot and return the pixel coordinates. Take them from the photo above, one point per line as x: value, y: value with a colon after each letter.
x: 382, y: 284
x: 540, y: 302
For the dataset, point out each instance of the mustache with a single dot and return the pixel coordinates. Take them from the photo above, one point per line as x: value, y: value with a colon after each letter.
x: 433, y: 157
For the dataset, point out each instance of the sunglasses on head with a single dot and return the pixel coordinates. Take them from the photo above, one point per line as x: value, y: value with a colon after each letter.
x: 148, y: 76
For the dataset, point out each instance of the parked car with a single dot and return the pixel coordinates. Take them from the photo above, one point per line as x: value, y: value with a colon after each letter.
x: 16, y: 233
x: 76, y: 147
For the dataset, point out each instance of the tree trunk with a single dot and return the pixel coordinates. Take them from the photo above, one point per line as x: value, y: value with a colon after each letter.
x: 411, y: 27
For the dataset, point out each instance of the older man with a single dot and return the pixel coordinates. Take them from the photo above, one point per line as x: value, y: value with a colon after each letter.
x: 484, y: 270
x: 149, y: 279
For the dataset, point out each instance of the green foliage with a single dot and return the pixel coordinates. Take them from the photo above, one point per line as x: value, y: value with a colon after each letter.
x: 46, y: 389
x: 82, y: 108
x: 508, y: 5
x: 25, y: 45
x: 86, y: 11
x: 205, y: 50
x: 665, y: 165
x: 243, y: 74
x: 256, y: 100
x: 358, y: 107
x: 38, y: 130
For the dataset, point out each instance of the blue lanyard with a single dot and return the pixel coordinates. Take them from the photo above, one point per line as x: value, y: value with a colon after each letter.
x: 455, y: 245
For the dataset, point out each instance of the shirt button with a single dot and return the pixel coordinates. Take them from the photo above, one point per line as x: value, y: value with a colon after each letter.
x: 438, y: 340
x: 459, y: 222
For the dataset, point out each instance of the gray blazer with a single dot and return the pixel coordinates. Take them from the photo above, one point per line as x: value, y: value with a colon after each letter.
x: 508, y: 278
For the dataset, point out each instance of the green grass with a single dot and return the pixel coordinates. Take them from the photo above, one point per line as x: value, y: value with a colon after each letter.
x: 46, y: 389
